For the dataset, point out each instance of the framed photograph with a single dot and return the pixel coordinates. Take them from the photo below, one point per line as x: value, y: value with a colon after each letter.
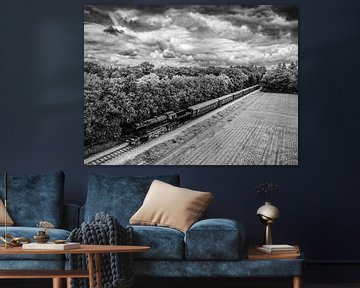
x: 191, y: 85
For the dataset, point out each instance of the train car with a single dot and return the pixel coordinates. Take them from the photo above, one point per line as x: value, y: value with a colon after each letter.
x: 238, y: 94
x: 183, y: 115
x: 202, y: 108
x: 252, y: 88
x: 226, y: 99
x: 256, y: 87
x: 245, y: 91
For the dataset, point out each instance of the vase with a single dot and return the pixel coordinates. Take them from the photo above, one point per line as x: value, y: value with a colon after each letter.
x: 268, y: 214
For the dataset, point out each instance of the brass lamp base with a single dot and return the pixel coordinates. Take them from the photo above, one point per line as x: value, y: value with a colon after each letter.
x: 268, y: 238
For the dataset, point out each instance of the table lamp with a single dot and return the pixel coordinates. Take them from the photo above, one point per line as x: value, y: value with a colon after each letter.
x: 268, y: 214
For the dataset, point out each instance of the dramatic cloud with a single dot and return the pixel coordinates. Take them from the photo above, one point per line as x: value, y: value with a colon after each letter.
x: 191, y: 35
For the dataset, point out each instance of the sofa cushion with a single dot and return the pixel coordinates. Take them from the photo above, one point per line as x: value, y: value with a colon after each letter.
x: 120, y: 196
x: 29, y: 232
x: 170, y: 206
x: 35, y: 198
x: 165, y: 243
x: 214, y: 239
x: 9, y: 221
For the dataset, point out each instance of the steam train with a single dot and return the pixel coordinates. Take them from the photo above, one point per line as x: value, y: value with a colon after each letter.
x: 158, y: 125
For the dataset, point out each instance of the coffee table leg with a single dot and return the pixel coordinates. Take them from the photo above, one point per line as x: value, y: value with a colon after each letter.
x: 297, y: 282
x: 91, y: 270
x: 68, y: 282
x: 57, y: 283
x: 98, y: 270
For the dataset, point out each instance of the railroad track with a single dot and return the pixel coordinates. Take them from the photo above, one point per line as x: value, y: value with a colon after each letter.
x: 102, y: 159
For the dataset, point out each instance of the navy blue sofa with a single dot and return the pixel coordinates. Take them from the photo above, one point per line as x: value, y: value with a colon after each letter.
x: 210, y: 248
x: 32, y: 199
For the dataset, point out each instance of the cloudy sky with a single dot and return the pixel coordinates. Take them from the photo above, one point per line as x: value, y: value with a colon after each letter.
x: 191, y: 35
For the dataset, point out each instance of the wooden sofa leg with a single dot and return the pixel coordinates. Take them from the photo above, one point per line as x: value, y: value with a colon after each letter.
x: 297, y: 282
x: 57, y: 283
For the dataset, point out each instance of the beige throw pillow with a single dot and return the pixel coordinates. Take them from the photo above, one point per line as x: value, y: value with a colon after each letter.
x: 170, y: 206
x: 10, y: 222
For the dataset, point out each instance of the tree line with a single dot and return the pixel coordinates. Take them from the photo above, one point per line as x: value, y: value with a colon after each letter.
x: 281, y: 79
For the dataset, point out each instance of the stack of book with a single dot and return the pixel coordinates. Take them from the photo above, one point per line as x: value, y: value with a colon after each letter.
x: 279, y: 249
x: 51, y: 246
x: 274, y: 252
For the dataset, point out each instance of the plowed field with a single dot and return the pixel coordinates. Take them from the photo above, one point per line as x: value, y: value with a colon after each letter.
x: 260, y: 130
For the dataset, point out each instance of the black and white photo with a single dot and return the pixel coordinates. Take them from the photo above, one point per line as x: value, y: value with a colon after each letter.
x: 191, y: 85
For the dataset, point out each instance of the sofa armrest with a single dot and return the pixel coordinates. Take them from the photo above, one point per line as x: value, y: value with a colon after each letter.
x: 71, y: 216
x: 215, y: 239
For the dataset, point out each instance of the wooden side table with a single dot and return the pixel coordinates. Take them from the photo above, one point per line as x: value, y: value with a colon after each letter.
x: 92, y: 251
x: 254, y: 254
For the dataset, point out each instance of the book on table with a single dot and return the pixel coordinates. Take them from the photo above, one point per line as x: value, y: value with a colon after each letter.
x: 278, y: 249
x: 255, y: 254
x: 51, y: 246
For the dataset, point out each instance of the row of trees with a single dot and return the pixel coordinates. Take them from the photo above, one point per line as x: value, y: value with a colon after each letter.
x: 282, y: 79
x: 116, y: 98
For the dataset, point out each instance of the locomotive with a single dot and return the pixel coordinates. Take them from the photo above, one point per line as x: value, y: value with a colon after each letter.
x: 158, y: 125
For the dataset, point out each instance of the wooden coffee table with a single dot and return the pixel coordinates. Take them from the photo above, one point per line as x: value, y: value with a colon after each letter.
x: 92, y: 251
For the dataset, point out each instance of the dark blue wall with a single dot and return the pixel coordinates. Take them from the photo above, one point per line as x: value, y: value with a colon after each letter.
x: 41, y: 120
